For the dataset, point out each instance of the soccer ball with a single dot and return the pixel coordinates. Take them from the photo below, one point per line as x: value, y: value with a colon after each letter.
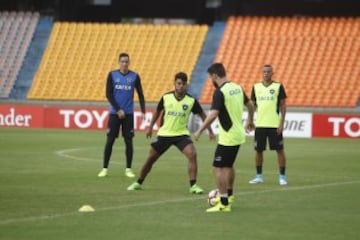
x: 212, y: 195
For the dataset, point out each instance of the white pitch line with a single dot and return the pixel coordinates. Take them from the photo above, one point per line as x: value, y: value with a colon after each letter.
x: 177, y: 200
x: 66, y: 154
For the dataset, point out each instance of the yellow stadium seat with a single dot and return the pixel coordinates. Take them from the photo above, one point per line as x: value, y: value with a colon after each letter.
x: 78, y: 50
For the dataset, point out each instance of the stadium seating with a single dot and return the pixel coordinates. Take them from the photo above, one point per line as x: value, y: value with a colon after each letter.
x: 80, y: 55
x: 317, y: 59
x: 16, y: 32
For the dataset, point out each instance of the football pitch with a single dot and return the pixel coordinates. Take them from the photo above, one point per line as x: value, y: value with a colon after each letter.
x: 47, y: 175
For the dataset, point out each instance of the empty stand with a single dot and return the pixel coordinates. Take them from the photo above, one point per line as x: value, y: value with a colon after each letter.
x: 80, y: 55
x: 16, y: 32
x: 317, y: 59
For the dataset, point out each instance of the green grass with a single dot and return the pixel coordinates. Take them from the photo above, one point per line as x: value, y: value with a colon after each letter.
x: 47, y: 175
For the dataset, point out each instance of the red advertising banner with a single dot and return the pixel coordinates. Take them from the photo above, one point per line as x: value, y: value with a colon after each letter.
x: 94, y: 118
x: 21, y: 116
x: 75, y: 117
x: 336, y: 125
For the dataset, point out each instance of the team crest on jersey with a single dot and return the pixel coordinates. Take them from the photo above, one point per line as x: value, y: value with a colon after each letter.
x: 129, y: 80
x: 185, y: 107
x: 272, y: 91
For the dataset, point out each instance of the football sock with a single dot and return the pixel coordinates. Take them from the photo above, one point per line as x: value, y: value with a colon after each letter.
x: 230, y: 192
x: 107, y: 151
x: 259, y: 169
x: 140, y: 181
x: 192, y: 182
x: 224, y: 199
x: 282, y: 170
x: 129, y: 151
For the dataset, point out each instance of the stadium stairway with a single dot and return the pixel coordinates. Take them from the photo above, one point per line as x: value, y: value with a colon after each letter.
x: 206, y: 58
x: 32, y: 58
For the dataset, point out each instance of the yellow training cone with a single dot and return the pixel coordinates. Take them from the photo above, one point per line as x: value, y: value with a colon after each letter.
x: 86, y: 208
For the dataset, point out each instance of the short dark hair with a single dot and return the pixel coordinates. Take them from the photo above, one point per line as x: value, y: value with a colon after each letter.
x: 182, y: 76
x: 218, y: 69
x: 268, y: 65
x: 123, y: 54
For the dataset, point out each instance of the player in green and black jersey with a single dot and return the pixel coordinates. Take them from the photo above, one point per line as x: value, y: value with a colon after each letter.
x: 269, y: 97
x: 227, y: 105
x: 176, y: 107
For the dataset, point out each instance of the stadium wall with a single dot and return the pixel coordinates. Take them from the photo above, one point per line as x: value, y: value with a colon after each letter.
x: 297, y: 124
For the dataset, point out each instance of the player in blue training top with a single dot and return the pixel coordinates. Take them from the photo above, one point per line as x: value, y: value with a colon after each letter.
x: 120, y: 87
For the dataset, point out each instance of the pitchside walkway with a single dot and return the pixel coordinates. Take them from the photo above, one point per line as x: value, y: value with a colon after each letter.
x: 206, y: 58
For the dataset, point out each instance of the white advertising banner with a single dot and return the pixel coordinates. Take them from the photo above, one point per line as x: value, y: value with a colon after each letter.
x: 297, y: 125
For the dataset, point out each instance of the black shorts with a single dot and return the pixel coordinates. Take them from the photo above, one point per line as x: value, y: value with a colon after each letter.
x: 276, y: 141
x: 161, y: 144
x: 225, y: 156
x: 126, y: 124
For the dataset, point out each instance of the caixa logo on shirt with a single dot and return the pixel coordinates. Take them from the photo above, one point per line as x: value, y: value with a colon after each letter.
x: 122, y: 87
